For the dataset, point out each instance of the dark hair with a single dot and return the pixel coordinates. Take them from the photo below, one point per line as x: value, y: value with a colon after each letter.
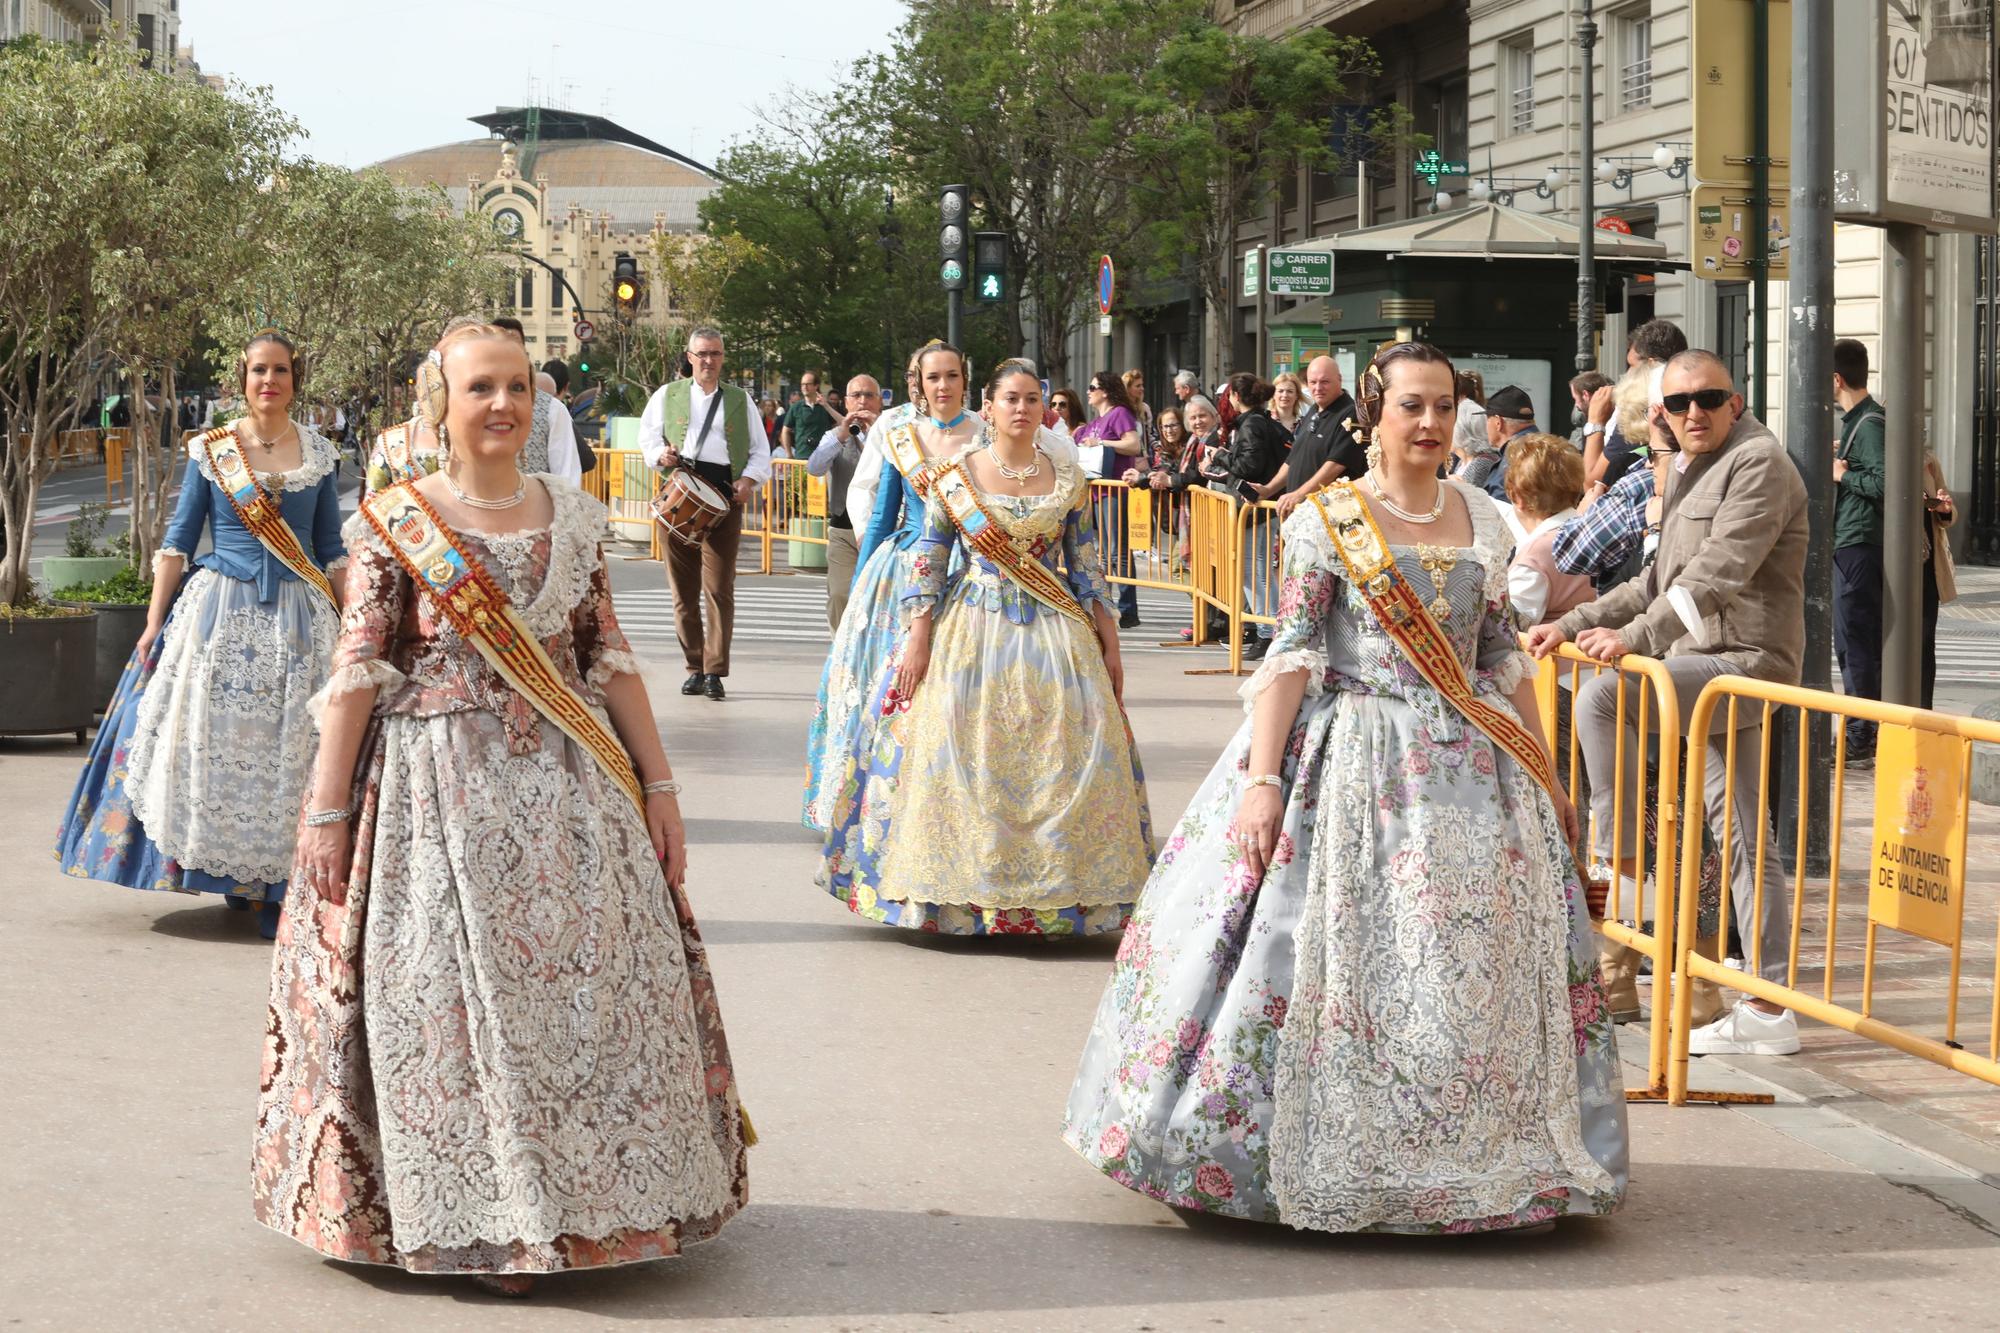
x: 1070, y: 410
x: 258, y: 339
x: 1253, y: 391
x: 1589, y: 382
x: 557, y: 371
x: 1469, y: 384
x: 1850, y: 362
x: 509, y: 323
x: 1375, y: 379
x: 1657, y: 340
x: 1112, y: 387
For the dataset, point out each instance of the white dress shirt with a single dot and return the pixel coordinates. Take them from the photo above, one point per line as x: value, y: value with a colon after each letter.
x: 709, y: 448
x: 1528, y: 588
x: 565, y: 460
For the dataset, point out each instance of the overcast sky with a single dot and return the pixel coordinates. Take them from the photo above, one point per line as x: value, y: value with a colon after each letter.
x: 372, y: 78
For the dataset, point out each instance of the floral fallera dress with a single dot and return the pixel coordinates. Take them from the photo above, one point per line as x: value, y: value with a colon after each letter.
x: 1009, y: 798
x: 1402, y: 1028
x: 501, y: 1051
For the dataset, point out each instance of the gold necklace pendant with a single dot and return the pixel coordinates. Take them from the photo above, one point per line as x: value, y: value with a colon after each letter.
x: 1438, y: 562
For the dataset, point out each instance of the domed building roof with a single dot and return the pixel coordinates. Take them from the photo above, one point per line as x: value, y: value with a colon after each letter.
x: 594, y: 163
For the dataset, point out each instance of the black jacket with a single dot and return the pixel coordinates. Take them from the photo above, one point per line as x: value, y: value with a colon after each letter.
x: 1257, y: 449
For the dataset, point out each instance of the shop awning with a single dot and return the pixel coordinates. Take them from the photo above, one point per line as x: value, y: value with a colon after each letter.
x: 1490, y: 231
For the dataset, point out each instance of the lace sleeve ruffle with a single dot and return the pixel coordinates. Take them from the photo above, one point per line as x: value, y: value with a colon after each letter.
x: 1309, y: 660
x: 370, y: 674
x: 166, y: 553
x: 611, y: 662
x: 1505, y: 676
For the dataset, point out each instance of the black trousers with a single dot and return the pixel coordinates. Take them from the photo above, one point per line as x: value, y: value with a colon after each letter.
x: 1857, y: 629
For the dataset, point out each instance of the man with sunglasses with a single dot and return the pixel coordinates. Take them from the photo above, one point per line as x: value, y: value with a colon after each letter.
x: 1725, y: 595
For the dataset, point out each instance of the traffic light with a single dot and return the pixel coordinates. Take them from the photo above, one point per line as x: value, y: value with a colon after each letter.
x: 583, y: 364
x: 989, y: 266
x: 952, y: 207
x: 625, y: 285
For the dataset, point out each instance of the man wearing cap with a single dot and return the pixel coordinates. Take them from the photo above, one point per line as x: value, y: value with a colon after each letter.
x: 1509, y: 412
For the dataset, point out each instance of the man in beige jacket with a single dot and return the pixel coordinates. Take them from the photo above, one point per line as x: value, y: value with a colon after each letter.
x: 1725, y: 595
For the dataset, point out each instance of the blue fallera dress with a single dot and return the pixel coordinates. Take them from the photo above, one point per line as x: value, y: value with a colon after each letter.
x: 194, y: 780
x: 842, y: 728
x: 1401, y: 1027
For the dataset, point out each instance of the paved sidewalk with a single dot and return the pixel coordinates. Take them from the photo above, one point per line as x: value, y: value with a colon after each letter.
x: 908, y: 1092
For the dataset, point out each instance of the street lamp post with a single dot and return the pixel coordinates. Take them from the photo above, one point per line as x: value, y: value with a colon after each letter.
x: 1586, y: 231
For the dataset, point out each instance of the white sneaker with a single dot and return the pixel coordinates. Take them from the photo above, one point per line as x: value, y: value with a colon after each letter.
x: 1746, y: 1030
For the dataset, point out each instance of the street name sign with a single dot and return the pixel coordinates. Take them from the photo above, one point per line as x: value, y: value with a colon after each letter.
x: 1250, y: 287
x: 1298, y: 272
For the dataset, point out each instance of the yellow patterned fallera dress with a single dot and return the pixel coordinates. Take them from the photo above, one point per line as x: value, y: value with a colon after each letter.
x: 1008, y: 798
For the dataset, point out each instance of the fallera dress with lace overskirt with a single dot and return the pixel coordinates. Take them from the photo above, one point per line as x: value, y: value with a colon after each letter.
x: 843, y: 728
x: 1008, y: 798
x: 1402, y: 1028
x: 501, y: 1051
x: 195, y: 777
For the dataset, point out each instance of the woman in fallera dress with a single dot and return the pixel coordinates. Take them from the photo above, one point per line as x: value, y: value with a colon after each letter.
x: 194, y: 780
x: 1362, y: 993
x: 493, y: 1044
x: 908, y: 439
x: 1003, y: 793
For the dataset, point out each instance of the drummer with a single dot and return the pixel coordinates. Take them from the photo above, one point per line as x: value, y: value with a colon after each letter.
x: 714, y: 431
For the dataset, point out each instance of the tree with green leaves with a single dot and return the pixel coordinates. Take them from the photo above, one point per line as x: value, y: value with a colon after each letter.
x: 1218, y: 121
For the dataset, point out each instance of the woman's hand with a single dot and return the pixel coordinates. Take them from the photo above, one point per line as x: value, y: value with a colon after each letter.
x: 148, y: 638
x: 1114, y: 658
x: 1255, y: 831
x: 1571, y: 822
x: 916, y: 660
x: 669, y: 835
x: 323, y: 858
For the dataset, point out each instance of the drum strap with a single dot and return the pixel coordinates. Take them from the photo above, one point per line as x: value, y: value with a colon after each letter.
x: 476, y: 607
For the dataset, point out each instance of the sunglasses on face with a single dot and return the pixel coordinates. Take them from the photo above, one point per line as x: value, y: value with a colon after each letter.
x: 1708, y: 400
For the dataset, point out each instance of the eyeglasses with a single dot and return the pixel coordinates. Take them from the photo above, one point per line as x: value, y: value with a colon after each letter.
x: 706, y: 356
x: 1708, y: 400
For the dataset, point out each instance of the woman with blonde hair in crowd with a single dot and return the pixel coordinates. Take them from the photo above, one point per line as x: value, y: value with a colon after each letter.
x: 493, y: 1045
x: 1544, y: 484
x: 1287, y: 398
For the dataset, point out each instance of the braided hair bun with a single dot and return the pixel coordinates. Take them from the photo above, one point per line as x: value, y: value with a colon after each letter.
x: 1374, y: 383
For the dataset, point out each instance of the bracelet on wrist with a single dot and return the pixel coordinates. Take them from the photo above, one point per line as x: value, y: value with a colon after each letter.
x: 321, y: 818
x: 1263, y: 780
x: 664, y: 787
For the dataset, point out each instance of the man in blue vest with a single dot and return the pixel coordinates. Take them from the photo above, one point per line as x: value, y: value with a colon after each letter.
x: 713, y: 430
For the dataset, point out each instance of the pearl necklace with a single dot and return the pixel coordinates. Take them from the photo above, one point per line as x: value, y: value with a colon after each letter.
x: 268, y: 444
x: 520, y: 494
x: 1437, y: 510
x: 1033, y: 469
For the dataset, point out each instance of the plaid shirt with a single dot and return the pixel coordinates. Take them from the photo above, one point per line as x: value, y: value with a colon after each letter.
x: 1602, y: 538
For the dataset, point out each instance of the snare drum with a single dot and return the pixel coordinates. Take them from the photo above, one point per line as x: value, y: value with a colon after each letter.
x: 687, y: 506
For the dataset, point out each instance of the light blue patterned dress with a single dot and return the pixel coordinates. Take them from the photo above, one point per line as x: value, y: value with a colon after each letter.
x: 195, y: 778
x: 1402, y: 1028
x: 842, y: 728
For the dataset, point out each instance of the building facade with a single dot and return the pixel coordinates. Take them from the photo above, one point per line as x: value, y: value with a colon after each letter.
x: 152, y: 26
x: 52, y: 20
x: 578, y: 193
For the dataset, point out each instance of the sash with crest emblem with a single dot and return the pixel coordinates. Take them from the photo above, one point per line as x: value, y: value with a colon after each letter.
x: 260, y: 511
x: 460, y: 586
x: 399, y: 453
x: 948, y: 484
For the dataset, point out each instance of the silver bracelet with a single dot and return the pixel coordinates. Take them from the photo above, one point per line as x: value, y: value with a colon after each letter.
x: 664, y: 787
x: 320, y: 818
x: 1264, y: 780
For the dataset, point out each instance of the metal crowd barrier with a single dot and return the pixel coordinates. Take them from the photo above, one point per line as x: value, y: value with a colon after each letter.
x: 791, y: 507
x: 1917, y: 872
x: 1647, y: 698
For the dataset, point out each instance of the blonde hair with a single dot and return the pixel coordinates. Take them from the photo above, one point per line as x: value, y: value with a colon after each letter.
x: 434, y: 401
x: 1545, y: 473
x: 1287, y: 377
x: 1631, y: 402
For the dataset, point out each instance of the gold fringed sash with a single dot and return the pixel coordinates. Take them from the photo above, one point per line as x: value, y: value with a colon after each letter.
x: 953, y: 490
x: 260, y: 511
x: 480, y: 612
x: 1409, y: 625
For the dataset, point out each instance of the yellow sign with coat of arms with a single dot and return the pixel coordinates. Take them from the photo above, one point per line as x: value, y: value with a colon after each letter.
x: 1918, y: 880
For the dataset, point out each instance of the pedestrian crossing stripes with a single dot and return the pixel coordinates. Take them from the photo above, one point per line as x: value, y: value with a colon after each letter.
x: 792, y: 610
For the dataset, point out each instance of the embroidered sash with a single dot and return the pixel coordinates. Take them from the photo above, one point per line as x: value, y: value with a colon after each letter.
x: 399, y: 453
x: 1408, y: 623
x: 259, y: 510
x: 953, y: 490
x: 906, y: 451
x: 480, y: 612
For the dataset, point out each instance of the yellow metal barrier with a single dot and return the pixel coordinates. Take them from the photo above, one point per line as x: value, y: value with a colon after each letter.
x: 1259, y: 557
x: 114, y: 467
x: 1147, y: 538
x: 1916, y: 875
x: 1646, y: 697
x: 785, y: 508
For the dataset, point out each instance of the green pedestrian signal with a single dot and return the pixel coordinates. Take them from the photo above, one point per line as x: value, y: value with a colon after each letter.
x: 989, y: 266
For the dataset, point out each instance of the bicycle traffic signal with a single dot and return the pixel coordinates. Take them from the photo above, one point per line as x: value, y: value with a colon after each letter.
x: 953, y: 205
